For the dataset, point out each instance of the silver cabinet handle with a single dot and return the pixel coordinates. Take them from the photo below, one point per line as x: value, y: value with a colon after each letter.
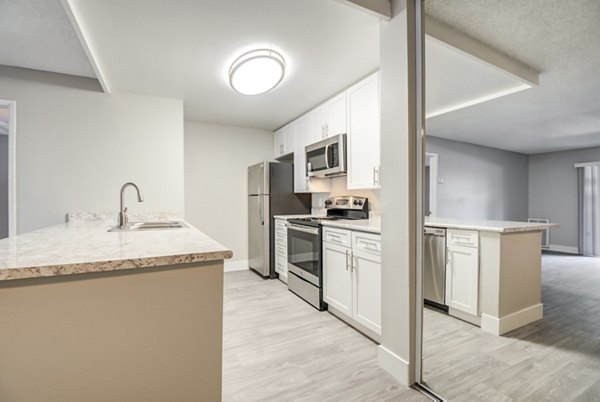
x: 347, y: 260
x: 354, y: 262
x: 374, y: 180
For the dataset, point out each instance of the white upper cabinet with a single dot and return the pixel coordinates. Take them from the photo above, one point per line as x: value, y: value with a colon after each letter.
x: 330, y: 118
x: 363, y: 134
x: 305, y: 136
x: 285, y: 140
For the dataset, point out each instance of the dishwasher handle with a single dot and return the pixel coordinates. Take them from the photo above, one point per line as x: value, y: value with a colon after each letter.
x: 435, y: 231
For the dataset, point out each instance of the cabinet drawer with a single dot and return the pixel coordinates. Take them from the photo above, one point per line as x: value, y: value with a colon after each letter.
x: 337, y: 236
x: 366, y: 242
x: 467, y: 238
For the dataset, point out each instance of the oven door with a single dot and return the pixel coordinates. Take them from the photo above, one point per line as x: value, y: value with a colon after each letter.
x: 304, y: 252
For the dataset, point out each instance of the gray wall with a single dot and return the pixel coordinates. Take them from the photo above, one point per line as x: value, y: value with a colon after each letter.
x: 3, y: 186
x: 480, y: 182
x: 216, y: 174
x: 553, y: 191
x: 76, y: 146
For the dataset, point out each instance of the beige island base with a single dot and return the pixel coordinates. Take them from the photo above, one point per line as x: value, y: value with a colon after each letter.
x: 494, y: 272
x: 87, y: 315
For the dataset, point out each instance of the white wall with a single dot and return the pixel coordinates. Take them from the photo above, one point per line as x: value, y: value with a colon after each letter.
x: 553, y: 193
x: 339, y: 187
x: 77, y: 146
x: 216, y: 162
x: 480, y: 182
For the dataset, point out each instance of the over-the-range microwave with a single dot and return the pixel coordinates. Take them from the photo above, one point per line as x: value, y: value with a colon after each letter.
x: 327, y: 158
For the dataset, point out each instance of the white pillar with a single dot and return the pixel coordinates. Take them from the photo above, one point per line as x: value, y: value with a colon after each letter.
x: 400, y: 202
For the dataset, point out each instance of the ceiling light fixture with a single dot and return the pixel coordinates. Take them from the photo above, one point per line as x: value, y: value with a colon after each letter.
x: 256, y: 72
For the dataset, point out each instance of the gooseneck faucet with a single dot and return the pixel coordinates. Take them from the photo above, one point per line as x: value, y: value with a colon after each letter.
x: 123, y: 210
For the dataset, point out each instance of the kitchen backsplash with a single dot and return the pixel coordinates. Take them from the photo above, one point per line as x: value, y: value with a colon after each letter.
x: 339, y: 187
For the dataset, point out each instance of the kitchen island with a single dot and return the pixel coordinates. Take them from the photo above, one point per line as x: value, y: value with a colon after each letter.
x: 87, y: 314
x: 493, y: 272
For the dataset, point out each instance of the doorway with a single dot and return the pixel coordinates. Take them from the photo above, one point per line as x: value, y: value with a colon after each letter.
x: 8, y: 216
x: 430, y: 184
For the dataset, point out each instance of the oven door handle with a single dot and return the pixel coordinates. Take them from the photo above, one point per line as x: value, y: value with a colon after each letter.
x: 302, y: 229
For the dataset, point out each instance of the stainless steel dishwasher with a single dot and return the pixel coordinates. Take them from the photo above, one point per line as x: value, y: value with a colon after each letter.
x: 434, y: 266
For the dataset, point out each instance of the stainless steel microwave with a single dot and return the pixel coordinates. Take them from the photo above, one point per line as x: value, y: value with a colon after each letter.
x: 327, y: 158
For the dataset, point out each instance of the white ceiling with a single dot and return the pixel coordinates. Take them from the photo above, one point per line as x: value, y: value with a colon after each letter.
x: 559, y: 38
x: 37, y: 34
x: 184, y: 50
x: 448, y: 88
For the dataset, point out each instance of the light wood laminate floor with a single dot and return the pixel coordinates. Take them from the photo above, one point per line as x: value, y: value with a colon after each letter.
x: 556, y: 359
x: 279, y: 348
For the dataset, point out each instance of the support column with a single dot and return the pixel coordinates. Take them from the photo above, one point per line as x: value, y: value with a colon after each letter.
x: 401, y: 204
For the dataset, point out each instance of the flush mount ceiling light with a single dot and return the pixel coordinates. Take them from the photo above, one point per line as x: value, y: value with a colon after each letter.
x: 256, y: 72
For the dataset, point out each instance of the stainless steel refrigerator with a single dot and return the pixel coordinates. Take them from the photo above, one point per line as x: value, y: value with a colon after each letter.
x: 270, y: 192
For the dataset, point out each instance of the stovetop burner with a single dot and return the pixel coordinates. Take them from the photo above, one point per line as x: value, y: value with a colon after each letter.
x: 345, y: 207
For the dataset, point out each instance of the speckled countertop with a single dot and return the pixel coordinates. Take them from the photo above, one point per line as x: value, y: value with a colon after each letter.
x: 82, y: 246
x: 288, y: 217
x: 487, y: 226
x: 362, y: 225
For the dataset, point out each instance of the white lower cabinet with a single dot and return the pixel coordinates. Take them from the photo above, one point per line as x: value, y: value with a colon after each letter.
x: 352, y: 276
x: 462, y: 271
x: 281, y: 263
x: 337, y: 277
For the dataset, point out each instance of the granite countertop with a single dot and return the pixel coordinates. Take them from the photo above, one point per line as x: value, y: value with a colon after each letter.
x: 83, y: 246
x: 487, y: 226
x: 362, y: 225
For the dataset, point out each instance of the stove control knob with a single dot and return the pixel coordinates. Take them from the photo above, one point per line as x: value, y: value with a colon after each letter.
x: 355, y: 202
x: 360, y: 202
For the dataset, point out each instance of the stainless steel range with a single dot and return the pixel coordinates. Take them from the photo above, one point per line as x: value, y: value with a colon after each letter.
x: 305, y: 257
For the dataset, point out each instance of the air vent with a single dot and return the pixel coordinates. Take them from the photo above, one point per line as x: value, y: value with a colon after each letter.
x: 545, y: 232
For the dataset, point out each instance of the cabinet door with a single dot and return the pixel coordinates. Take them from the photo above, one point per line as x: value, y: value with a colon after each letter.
x: 462, y: 278
x: 289, y: 138
x: 337, y: 277
x: 302, y: 137
x: 281, y: 249
x: 279, y: 143
x: 302, y: 183
x: 364, y: 134
x: 367, y: 290
x: 320, y: 117
x: 336, y: 115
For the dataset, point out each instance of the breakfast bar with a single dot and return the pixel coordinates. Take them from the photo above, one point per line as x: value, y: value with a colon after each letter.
x: 116, y: 315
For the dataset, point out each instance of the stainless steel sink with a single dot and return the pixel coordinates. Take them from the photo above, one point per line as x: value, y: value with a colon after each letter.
x: 151, y: 225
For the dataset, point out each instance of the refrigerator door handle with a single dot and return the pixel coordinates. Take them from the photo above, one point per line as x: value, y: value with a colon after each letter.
x: 261, y: 207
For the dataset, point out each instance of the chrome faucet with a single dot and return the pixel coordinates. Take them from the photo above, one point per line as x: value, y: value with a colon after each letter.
x: 123, y: 210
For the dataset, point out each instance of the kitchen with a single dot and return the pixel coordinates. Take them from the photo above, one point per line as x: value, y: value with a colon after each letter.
x: 207, y: 149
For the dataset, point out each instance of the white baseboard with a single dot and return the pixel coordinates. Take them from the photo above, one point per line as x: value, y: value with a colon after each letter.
x: 500, y: 326
x: 240, y: 265
x: 563, y: 249
x: 395, y: 365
